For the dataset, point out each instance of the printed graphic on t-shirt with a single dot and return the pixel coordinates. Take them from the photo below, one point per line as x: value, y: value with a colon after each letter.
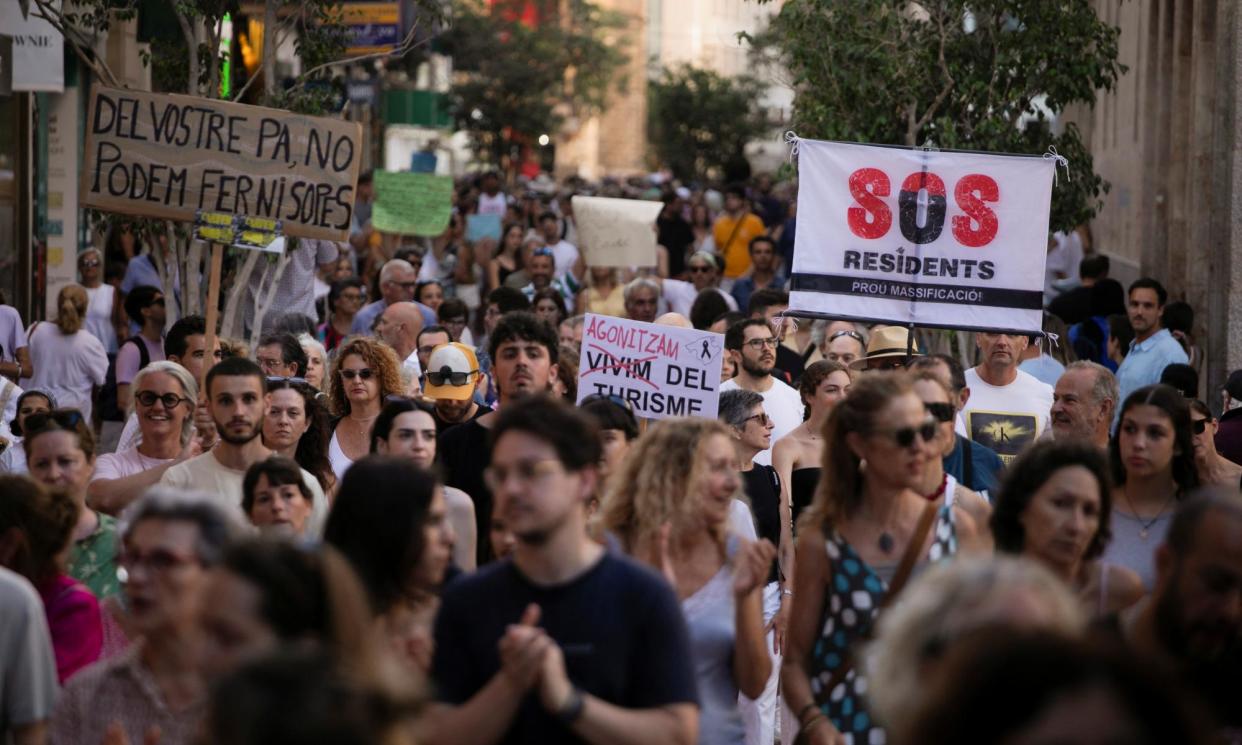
x: 1006, y: 432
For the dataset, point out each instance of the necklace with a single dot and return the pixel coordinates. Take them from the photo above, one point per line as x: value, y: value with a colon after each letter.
x: 944, y: 482
x: 1145, y: 525
x: 886, y: 542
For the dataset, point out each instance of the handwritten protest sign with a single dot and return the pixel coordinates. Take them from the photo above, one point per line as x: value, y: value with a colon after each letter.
x: 955, y: 240
x: 411, y: 203
x: 616, y: 232
x: 479, y: 227
x: 663, y: 371
x: 169, y: 156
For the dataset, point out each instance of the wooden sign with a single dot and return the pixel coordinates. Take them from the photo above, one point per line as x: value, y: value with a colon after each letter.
x: 170, y: 156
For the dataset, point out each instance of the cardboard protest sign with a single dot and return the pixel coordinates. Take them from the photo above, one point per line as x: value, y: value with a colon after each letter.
x: 169, y: 156
x: 947, y: 239
x: 663, y: 371
x: 479, y: 227
x: 616, y: 232
x: 411, y: 203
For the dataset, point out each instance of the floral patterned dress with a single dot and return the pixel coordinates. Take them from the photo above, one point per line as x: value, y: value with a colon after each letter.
x: 92, y: 561
x: 853, y: 599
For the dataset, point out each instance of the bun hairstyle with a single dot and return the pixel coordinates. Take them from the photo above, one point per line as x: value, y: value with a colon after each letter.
x: 71, y: 309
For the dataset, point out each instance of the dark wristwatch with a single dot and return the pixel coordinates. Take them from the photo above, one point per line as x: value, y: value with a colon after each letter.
x: 571, y: 710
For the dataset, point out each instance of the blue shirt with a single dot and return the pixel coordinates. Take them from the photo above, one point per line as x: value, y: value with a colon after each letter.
x: 1146, y: 360
x: 1043, y: 368
x: 744, y: 287
x: 985, y: 467
x: 366, y: 317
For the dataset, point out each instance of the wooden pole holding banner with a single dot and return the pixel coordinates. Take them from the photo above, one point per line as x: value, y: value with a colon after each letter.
x: 213, y: 313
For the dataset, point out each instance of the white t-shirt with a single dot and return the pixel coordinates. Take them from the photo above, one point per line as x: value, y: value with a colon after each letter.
x: 203, y: 473
x: 1007, y: 418
x: 12, y: 333
x: 99, y: 315
x: 124, y: 463
x: 679, y: 296
x: 784, y: 407
x: 495, y: 205
x: 9, y: 393
x: 66, y: 366
x: 565, y: 254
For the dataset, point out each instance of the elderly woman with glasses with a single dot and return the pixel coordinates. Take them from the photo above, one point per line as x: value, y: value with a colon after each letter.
x: 863, y: 534
x: 366, y: 373
x: 164, y: 397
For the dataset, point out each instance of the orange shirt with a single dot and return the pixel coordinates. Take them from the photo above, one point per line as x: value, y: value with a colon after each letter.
x: 737, y: 253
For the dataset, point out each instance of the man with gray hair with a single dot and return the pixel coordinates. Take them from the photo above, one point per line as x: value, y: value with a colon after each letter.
x: 1084, y: 401
x: 642, y: 299
x: 170, y: 539
x: 398, y: 283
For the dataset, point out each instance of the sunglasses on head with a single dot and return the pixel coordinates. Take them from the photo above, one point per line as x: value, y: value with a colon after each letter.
x: 611, y: 398
x: 942, y: 411
x: 447, y: 377
x: 904, y: 437
x: 54, y: 419
x: 365, y: 373
x: 851, y: 334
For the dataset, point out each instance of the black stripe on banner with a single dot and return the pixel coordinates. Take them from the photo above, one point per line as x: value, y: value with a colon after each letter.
x: 892, y: 289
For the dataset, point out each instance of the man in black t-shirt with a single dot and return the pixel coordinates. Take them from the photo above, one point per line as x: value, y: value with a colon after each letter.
x: 524, y: 355
x: 567, y: 642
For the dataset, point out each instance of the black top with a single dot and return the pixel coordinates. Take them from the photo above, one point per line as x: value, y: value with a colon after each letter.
x: 618, y: 624
x: 763, y: 487
x: 676, y: 235
x: 443, y: 426
x: 465, y: 453
x: 791, y: 363
x: 1072, y: 306
x: 802, y: 485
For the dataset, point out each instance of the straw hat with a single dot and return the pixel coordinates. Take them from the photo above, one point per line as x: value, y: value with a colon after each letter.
x: 885, y: 342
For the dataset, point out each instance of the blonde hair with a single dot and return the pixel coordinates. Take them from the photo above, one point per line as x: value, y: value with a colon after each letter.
x: 71, y: 305
x: 379, y: 357
x: 658, y: 483
x: 947, y: 603
x: 841, y: 482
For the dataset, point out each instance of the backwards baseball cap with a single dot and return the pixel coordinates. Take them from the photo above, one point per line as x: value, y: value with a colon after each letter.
x: 1233, y: 386
x: 449, y: 371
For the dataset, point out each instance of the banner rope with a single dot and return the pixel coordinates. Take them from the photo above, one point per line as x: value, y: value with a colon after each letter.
x: 792, y: 139
x: 1059, y: 160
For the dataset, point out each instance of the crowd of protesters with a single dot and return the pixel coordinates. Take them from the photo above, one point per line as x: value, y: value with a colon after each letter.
x: 385, y: 516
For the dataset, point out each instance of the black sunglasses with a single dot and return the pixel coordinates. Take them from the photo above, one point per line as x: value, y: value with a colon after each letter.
x: 610, y: 398
x: 904, y: 437
x: 170, y: 400
x: 851, y: 334
x: 448, y: 377
x: 365, y: 373
x: 54, y: 419
x: 1198, y: 425
x: 942, y: 411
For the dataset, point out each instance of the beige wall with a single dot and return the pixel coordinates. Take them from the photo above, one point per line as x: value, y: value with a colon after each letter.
x: 1168, y: 140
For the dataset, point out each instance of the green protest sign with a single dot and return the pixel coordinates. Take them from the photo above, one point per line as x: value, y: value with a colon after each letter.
x: 411, y: 203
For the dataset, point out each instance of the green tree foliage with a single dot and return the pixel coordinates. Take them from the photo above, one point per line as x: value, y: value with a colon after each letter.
x: 959, y: 74
x: 697, y: 120
x: 517, y: 80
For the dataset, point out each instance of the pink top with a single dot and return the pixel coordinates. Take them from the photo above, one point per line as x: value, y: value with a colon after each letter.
x: 74, y: 620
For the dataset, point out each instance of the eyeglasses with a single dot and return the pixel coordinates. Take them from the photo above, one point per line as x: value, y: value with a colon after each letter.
x: 170, y: 400
x: 365, y: 373
x: 851, y: 334
x: 1199, y: 425
x: 942, y: 411
x: 762, y: 417
x: 526, y: 472
x: 448, y: 377
x: 281, y: 381
x: 904, y: 437
x: 610, y: 398
x: 158, y: 561
x: 758, y: 344
x: 699, y: 269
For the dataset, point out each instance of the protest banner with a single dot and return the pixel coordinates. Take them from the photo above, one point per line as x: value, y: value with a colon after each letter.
x: 169, y: 156
x: 479, y: 227
x: 930, y: 238
x: 411, y: 203
x: 616, y: 232
x: 663, y: 371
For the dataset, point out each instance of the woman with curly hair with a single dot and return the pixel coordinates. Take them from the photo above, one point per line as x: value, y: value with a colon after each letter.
x: 296, y: 425
x: 1054, y: 506
x: 366, y: 373
x: 677, y: 519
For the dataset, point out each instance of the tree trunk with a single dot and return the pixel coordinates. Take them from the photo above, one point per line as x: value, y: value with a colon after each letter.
x: 191, y: 43
x: 233, y: 325
x: 270, y: 22
x: 267, y: 296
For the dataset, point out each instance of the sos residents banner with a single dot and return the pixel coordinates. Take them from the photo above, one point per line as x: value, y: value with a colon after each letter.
x: 663, y: 371
x: 943, y: 239
x: 169, y: 156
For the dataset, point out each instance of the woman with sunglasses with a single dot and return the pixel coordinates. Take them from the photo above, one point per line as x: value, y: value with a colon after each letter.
x: 866, y: 517
x: 13, y: 459
x: 69, y: 362
x: 103, y: 313
x: 60, y: 451
x: 1054, y: 507
x: 1153, y: 465
x: 296, y: 425
x: 937, y: 482
x: 1213, y: 467
x: 407, y: 429
x: 796, y: 456
x: 345, y: 299
x: 163, y: 404
x: 677, y: 519
x: 366, y: 373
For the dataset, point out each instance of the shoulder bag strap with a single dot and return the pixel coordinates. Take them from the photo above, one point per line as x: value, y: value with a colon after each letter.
x: 968, y: 464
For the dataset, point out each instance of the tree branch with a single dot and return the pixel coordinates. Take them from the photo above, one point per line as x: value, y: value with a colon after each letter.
x: 948, y: 82
x: 406, y: 46
x: 59, y: 23
x: 191, y: 43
